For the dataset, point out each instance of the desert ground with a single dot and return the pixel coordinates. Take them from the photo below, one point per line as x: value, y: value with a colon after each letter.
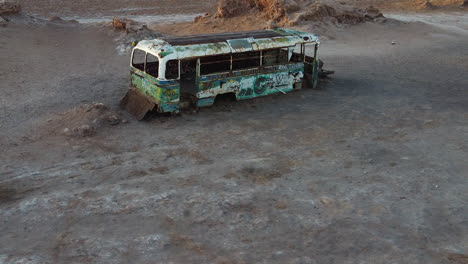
x: 371, y: 168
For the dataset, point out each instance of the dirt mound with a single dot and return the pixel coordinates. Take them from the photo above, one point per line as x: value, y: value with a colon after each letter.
x: 291, y: 12
x: 132, y: 32
x: 9, y: 7
x: 85, y: 120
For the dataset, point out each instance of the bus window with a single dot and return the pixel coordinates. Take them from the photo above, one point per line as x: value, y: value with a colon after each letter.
x: 275, y: 57
x: 245, y: 60
x: 152, y: 65
x: 298, y: 53
x: 172, y: 70
x: 215, y: 64
x: 139, y: 59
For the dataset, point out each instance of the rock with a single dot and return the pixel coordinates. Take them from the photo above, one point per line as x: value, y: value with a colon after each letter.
x: 317, y: 12
x: 119, y: 24
x: 373, y: 13
x: 201, y: 18
x: 135, y: 28
x: 198, y: 19
x: 9, y: 7
x: 291, y: 6
x: 55, y: 19
x: 232, y: 8
x: 127, y: 25
x: 428, y: 5
x: 84, y: 131
x: 113, y: 120
x: 327, y: 201
x: 100, y: 106
x: 3, y: 22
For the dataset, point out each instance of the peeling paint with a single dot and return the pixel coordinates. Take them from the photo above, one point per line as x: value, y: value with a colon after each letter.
x: 244, y: 84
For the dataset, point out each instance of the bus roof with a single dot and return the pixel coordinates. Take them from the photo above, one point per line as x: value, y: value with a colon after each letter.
x: 225, y: 43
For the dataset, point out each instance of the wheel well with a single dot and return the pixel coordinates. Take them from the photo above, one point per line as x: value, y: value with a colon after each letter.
x: 225, y: 97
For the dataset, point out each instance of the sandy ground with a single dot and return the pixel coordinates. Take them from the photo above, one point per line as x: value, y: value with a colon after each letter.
x: 48, y: 8
x: 370, y: 169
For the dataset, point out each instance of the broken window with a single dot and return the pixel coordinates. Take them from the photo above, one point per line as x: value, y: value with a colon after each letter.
x: 245, y: 60
x: 172, y: 70
x: 275, y: 57
x: 139, y: 59
x: 215, y: 64
x: 152, y: 65
x: 298, y: 53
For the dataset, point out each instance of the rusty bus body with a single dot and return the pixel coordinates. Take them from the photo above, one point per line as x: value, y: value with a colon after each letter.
x: 168, y: 74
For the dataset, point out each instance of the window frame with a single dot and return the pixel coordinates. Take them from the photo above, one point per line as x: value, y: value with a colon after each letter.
x: 260, y: 65
x: 259, y: 62
x: 146, y: 61
x: 178, y: 70
x: 288, y: 59
x: 200, y: 64
x: 133, y: 58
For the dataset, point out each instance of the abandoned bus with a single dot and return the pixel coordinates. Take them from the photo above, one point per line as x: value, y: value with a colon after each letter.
x: 171, y: 73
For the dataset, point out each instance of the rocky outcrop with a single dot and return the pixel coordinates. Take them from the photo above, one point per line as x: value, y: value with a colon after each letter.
x: 435, y: 4
x: 324, y: 13
x: 290, y: 12
x: 275, y: 10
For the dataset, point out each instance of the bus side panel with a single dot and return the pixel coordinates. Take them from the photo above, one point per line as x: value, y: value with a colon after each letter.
x: 283, y: 78
x: 165, y: 94
x: 140, y: 82
x: 169, y: 96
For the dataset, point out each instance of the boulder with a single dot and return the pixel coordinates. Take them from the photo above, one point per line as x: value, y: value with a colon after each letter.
x: 119, y: 24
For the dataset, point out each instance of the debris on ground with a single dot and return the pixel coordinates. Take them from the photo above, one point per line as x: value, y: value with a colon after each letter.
x: 85, y: 120
x: 9, y: 7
